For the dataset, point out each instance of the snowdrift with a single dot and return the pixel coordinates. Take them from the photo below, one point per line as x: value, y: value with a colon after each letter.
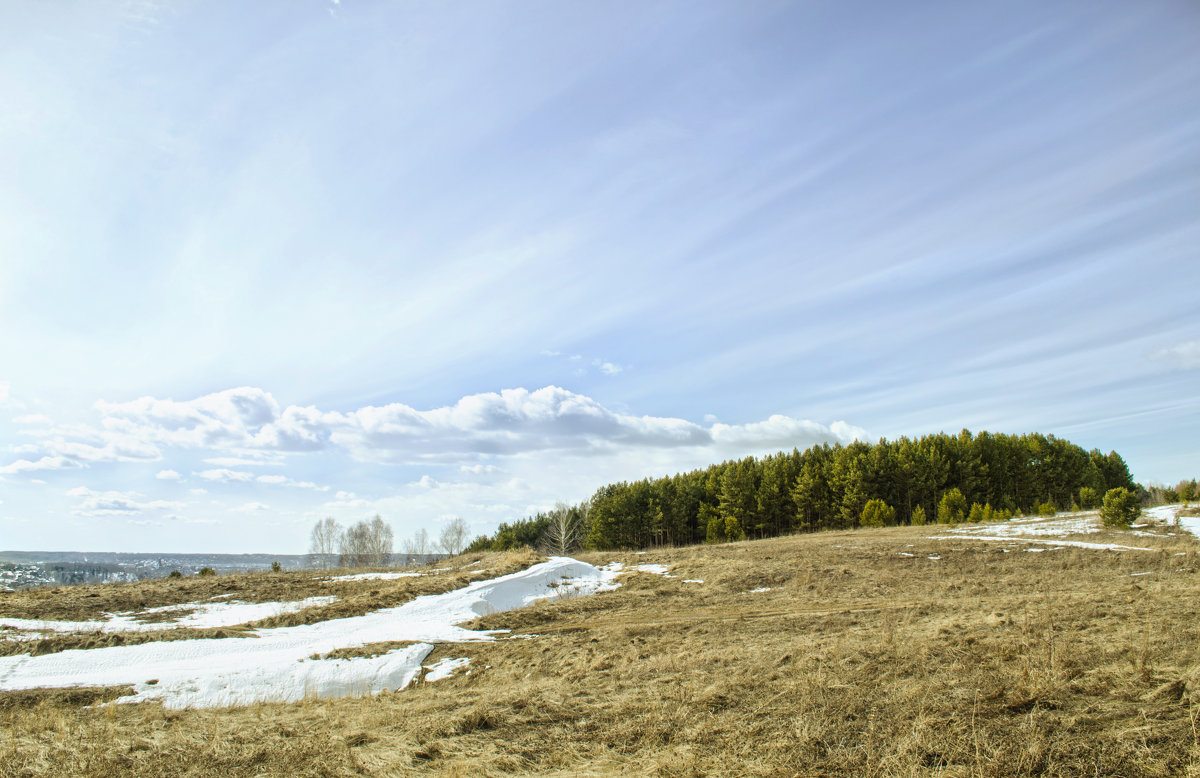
x: 278, y: 665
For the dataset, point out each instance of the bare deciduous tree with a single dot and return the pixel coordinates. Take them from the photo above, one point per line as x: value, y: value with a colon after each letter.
x: 454, y: 536
x: 326, y: 537
x: 367, y: 544
x: 564, y: 533
x: 418, y: 546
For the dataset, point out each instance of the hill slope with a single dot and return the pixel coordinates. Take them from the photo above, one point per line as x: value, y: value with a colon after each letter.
x: 872, y: 652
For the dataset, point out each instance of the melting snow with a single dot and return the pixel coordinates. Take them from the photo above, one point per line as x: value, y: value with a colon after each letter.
x: 656, y: 569
x: 760, y: 589
x: 693, y: 580
x: 1169, y: 514
x: 444, y: 668
x: 277, y: 666
x: 1050, y: 542
x: 372, y: 576
x: 205, y: 615
x: 1078, y: 524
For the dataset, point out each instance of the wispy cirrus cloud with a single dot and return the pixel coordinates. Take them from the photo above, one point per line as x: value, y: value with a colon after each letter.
x: 1185, y: 355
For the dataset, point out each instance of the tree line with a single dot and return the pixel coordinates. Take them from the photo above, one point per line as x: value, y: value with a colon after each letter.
x: 369, y: 543
x: 945, y: 478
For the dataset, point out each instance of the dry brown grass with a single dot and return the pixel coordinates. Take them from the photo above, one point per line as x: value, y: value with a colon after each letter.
x: 355, y: 598
x: 859, y: 661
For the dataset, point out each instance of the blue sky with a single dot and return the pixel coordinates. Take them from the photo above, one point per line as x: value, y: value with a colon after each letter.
x: 263, y: 263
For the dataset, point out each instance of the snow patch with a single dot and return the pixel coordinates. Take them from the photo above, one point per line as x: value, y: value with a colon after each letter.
x: 276, y: 666
x: 1057, y: 544
x: 204, y: 615
x: 372, y: 577
x: 444, y: 668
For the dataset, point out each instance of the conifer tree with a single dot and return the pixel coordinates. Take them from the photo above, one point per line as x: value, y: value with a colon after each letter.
x: 1120, y: 507
x: 952, y: 508
x: 877, y: 513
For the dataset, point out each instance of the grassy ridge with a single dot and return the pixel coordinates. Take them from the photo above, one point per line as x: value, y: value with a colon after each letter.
x: 866, y: 657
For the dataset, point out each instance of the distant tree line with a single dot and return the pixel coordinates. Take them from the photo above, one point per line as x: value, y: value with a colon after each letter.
x: 945, y: 478
x: 370, y: 543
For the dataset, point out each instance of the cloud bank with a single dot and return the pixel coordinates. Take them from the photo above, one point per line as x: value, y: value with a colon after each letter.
x: 509, y: 423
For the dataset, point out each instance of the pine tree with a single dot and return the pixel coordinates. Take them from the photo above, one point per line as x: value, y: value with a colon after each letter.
x: 952, y: 508
x: 1120, y: 508
x: 918, y: 516
x: 877, y: 513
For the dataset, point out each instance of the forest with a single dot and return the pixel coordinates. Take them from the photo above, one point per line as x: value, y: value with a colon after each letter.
x: 943, y: 478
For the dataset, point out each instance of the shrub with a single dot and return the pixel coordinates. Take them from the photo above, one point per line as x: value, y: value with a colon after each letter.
x: 988, y: 513
x: 733, y: 529
x: 714, y: 530
x: 276, y: 567
x: 952, y: 508
x: 918, y: 516
x: 877, y: 513
x: 1120, y: 508
x: 1046, y: 509
x: 976, y: 514
x: 206, y: 571
x: 175, y: 574
x: 1088, y: 498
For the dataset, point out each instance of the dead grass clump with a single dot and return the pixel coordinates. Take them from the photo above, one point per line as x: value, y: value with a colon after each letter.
x: 68, y: 641
x: 366, y: 651
x: 49, y: 699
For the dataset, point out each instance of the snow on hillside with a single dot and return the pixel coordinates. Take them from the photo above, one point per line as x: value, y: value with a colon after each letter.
x: 373, y: 577
x: 1050, y: 531
x: 194, y: 615
x: 278, y: 664
x: 1170, y: 514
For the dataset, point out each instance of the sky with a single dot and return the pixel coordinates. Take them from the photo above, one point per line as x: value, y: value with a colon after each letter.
x: 264, y: 263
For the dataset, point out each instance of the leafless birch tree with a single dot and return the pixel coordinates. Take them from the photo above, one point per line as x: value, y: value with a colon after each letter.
x: 367, y: 544
x: 564, y: 533
x: 326, y: 537
x: 454, y: 536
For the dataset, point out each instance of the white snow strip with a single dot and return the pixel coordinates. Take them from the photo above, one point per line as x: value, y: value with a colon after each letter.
x: 276, y: 666
x: 1137, y: 574
x: 905, y: 553
x: 444, y: 668
x: 1056, y: 543
x: 206, y: 615
x: 760, y: 589
x: 1075, y: 524
x: 1169, y: 514
x: 933, y: 556
x: 693, y: 580
x: 372, y: 576
x: 656, y: 569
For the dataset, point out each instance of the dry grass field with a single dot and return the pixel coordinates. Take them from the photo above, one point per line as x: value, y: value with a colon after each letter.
x: 872, y: 653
